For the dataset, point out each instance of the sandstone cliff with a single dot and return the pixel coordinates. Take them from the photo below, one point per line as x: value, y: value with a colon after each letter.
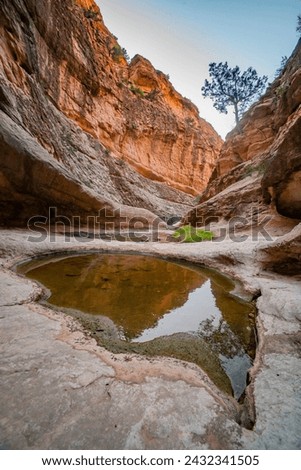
x: 82, y: 129
x: 258, y: 174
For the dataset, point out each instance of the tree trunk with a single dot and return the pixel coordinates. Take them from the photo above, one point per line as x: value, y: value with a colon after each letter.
x: 236, y: 113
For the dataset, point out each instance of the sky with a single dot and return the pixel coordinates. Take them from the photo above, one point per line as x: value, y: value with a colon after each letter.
x: 181, y: 38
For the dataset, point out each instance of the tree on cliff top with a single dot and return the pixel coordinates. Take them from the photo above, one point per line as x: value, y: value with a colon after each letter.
x: 298, y: 29
x: 230, y: 87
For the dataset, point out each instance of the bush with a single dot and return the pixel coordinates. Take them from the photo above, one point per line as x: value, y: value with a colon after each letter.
x: 119, y: 53
x: 137, y: 91
x: 152, y: 95
x: 298, y: 28
x: 279, y: 71
x: 259, y: 169
x: 196, y: 200
x: 91, y: 14
x: 189, y: 234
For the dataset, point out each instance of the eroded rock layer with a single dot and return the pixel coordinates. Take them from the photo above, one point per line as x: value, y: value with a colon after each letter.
x: 116, y: 133
x: 258, y: 174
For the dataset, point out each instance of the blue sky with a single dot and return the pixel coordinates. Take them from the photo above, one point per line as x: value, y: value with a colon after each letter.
x: 181, y: 37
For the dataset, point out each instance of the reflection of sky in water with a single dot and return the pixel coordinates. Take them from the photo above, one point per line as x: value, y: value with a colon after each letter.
x: 200, y: 310
x: 148, y: 298
x: 199, y: 306
x: 236, y: 368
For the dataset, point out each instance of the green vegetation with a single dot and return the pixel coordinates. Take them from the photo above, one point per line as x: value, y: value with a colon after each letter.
x: 133, y: 126
x: 298, y: 29
x: 119, y: 53
x: 281, y: 90
x: 259, y: 169
x: 230, y: 87
x: 159, y: 72
x: 137, y: 91
x: 279, y: 71
x: 189, y: 122
x: 189, y: 234
x: 197, y: 199
x: 91, y: 14
x: 152, y: 95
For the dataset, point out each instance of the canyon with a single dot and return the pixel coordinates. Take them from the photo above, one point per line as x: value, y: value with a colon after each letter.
x: 78, y: 119
x: 262, y: 155
x: 90, y: 133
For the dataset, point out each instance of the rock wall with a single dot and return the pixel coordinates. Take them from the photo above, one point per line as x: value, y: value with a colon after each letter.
x: 117, y: 130
x: 258, y: 173
x: 267, y: 120
x: 163, y: 137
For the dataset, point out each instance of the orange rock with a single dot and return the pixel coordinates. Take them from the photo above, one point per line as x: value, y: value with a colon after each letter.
x: 259, y: 169
x: 86, y: 4
x: 261, y: 124
x: 117, y: 129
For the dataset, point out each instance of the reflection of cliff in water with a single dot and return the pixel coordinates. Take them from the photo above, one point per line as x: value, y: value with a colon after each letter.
x: 133, y: 291
x: 158, y: 307
x: 235, y: 329
x: 231, y: 337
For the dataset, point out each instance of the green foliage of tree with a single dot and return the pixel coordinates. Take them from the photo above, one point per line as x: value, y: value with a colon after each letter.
x: 279, y: 71
x: 91, y: 14
x: 119, y: 53
x: 137, y: 91
x: 231, y: 87
x: 298, y: 28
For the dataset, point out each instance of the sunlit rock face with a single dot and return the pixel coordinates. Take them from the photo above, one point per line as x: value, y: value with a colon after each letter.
x: 258, y: 173
x: 268, y: 122
x: 117, y: 134
x: 164, y: 137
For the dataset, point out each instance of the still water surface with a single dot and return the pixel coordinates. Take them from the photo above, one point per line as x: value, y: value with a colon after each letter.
x: 156, y: 307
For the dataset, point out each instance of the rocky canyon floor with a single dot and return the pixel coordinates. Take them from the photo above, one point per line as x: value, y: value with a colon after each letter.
x: 60, y: 390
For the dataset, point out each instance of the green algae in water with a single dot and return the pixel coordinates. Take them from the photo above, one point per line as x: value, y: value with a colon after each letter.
x: 155, y: 307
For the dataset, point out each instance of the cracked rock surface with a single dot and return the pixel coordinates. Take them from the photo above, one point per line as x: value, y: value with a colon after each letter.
x: 59, y: 390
